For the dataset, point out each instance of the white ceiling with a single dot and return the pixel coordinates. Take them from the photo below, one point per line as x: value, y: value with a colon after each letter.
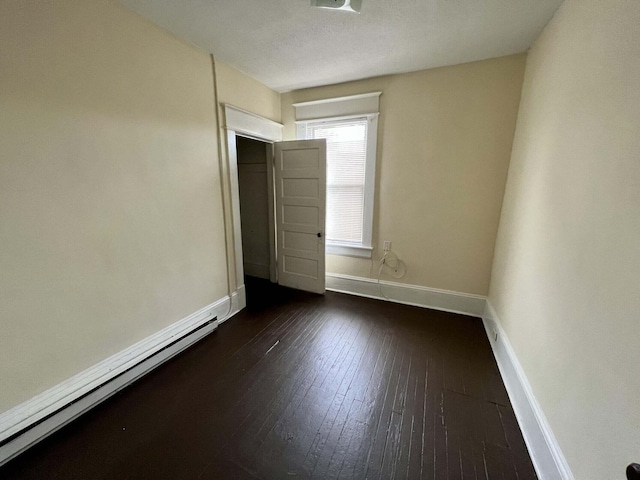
x: 287, y: 45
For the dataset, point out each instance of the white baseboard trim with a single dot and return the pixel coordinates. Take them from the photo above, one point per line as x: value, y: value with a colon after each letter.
x: 436, y: 299
x: 238, y: 302
x: 546, y: 455
x: 31, y: 421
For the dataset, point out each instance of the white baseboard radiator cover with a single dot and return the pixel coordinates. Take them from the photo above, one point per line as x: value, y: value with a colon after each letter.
x: 35, y: 419
x: 32, y: 421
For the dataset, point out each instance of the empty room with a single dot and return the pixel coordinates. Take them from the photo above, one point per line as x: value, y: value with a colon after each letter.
x: 353, y: 239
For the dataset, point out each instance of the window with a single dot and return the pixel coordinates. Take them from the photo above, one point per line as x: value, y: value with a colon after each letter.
x: 351, y: 151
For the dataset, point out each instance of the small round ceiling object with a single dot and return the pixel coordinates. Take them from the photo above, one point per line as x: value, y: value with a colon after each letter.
x: 345, y: 5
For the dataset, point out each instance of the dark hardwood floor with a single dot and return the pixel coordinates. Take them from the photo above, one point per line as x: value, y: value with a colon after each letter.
x: 304, y: 386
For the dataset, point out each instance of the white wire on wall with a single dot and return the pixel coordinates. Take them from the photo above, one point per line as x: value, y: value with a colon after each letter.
x: 391, y: 265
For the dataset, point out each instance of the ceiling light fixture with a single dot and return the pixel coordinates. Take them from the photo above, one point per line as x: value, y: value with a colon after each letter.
x: 345, y: 5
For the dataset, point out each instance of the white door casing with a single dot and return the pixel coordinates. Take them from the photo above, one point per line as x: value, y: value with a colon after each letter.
x: 300, y: 178
x: 241, y: 122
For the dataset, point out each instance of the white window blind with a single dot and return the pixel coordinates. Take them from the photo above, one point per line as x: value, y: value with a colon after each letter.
x: 346, y: 166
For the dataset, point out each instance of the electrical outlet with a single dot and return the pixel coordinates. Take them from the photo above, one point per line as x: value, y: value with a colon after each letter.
x: 387, y: 245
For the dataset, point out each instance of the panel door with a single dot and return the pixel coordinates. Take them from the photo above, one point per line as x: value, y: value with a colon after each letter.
x: 300, y: 178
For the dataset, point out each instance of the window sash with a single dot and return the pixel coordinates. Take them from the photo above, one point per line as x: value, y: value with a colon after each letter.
x: 364, y: 247
x: 346, y: 174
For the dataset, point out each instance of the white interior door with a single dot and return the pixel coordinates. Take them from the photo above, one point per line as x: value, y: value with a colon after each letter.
x: 300, y: 177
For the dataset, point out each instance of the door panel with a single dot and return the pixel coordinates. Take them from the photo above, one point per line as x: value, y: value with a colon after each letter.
x: 300, y: 177
x: 301, y: 241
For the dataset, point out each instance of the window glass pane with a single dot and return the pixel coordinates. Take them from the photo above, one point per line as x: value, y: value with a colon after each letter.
x: 346, y: 160
x: 345, y: 208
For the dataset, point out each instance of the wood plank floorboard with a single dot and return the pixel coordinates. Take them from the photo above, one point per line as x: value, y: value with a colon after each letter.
x: 304, y: 386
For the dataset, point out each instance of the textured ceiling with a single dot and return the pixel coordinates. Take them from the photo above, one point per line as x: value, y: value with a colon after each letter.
x: 287, y: 45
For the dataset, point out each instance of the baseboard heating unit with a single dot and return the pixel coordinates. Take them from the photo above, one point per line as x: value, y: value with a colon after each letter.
x: 34, y: 420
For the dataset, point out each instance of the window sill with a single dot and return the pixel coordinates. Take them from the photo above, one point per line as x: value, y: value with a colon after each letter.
x: 349, y: 250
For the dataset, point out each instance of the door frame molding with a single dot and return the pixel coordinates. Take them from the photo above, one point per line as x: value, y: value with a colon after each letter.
x: 239, y: 122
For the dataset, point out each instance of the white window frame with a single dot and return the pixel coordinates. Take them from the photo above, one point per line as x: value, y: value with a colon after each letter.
x: 345, y: 108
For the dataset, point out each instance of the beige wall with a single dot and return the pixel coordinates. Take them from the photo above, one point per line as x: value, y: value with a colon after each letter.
x: 242, y: 91
x: 110, y: 207
x: 444, y: 141
x: 566, y: 281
